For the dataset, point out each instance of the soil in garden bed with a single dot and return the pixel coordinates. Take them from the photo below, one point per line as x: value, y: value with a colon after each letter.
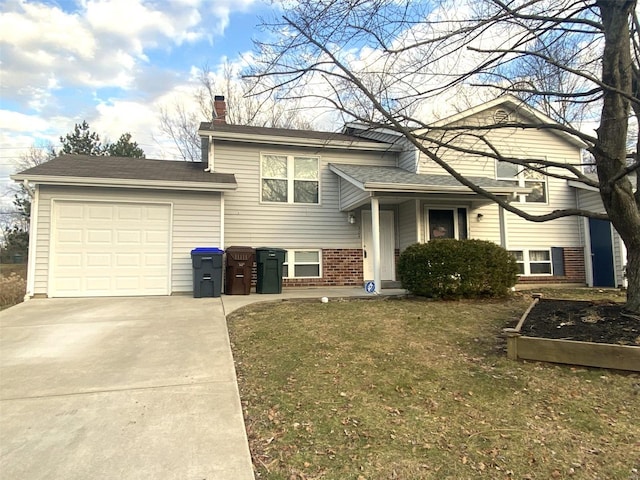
x: 586, y: 321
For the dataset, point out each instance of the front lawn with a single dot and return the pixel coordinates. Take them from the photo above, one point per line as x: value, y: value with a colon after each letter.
x: 412, y: 389
x: 13, y: 285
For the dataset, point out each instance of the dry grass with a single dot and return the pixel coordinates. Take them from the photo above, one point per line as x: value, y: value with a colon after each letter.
x: 409, y: 389
x: 13, y: 285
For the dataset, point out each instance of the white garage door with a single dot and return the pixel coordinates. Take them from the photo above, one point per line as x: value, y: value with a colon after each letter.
x: 109, y: 249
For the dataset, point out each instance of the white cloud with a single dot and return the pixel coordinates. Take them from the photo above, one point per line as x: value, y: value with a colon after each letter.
x: 11, y: 121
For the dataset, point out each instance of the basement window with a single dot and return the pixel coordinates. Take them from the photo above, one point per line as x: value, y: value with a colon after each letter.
x: 302, y: 264
x: 533, y: 262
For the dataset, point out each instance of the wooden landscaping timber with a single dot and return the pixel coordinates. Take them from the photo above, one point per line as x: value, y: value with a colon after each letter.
x: 588, y: 354
x: 602, y: 355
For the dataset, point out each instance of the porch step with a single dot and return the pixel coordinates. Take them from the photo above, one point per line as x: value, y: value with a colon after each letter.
x: 391, y: 284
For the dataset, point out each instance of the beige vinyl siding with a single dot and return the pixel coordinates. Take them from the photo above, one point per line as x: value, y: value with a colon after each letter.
x: 195, y: 223
x: 43, y: 242
x: 248, y: 221
x: 407, y: 158
x: 617, y: 257
x: 488, y: 227
x: 407, y: 228
x: 351, y: 195
x: 562, y: 232
x: 515, y: 142
x: 522, y: 143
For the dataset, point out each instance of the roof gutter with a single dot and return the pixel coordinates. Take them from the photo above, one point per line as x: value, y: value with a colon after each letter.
x: 126, y: 183
x: 396, y: 187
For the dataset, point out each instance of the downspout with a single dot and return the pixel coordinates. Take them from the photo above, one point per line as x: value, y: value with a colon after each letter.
x: 33, y: 236
x: 503, y: 227
x: 222, y: 220
x: 211, y: 160
x: 419, y: 227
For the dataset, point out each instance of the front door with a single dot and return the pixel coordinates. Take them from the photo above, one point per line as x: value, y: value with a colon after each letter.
x: 601, y: 253
x: 387, y: 245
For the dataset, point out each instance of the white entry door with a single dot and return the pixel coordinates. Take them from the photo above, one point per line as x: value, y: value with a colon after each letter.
x: 387, y: 245
x: 109, y: 249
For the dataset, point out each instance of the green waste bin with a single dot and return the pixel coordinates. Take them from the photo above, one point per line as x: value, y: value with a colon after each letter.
x: 269, y: 262
x: 207, y: 271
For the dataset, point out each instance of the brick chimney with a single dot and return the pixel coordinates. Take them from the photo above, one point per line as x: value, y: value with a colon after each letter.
x: 219, y: 110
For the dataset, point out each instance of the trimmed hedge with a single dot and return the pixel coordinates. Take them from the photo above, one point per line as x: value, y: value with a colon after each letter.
x: 449, y: 268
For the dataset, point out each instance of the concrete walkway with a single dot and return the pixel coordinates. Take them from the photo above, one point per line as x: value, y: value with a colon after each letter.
x: 234, y: 302
x: 130, y: 388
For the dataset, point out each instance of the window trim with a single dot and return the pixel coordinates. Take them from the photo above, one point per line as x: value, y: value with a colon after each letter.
x: 526, y: 261
x: 291, y: 266
x: 522, y: 180
x: 291, y: 179
x: 456, y: 224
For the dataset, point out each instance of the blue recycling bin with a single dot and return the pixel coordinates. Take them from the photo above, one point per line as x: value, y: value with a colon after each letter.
x: 207, y: 271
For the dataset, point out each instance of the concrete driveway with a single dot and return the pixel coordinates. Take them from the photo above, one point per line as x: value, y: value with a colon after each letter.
x: 119, y: 388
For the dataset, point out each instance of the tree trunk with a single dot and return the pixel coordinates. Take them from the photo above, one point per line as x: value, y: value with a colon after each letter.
x: 610, y: 151
x: 633, y: 279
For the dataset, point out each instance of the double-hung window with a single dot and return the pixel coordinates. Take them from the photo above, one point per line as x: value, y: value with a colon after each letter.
x: 289, y: 179
x: 533, y: 262
x: 302, y: 264
x: 524, y: 177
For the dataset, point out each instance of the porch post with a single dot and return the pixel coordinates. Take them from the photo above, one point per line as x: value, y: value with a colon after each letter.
x: 375, y: 236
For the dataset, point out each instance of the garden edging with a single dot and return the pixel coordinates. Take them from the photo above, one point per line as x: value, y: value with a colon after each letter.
x: 590, y: 354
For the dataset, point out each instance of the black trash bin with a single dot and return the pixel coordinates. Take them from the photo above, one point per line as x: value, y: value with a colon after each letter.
x: 269, y: 261
x: 238, y: 272
x: 207, y: 271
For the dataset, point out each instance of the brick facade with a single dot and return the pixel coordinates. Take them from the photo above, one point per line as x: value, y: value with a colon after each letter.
x: 343, y: 267
x: 574, y: 270
x: 340, y: 267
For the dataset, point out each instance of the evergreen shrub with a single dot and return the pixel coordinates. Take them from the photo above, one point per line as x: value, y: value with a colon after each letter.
x: 448, y: 268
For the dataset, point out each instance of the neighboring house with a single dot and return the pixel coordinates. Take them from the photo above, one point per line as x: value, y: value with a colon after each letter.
x: 343, y: 206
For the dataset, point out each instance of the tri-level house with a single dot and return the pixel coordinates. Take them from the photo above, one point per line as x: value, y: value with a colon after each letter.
x: 343, y: 206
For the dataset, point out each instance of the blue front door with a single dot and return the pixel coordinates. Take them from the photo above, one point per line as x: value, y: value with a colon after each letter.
x: 601, y: 253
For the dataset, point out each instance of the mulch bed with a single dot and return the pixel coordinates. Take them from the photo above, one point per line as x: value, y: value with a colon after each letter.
x: 586, y: 321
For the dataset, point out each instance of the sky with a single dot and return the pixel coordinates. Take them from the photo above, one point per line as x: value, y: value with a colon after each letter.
x: 113, y: 63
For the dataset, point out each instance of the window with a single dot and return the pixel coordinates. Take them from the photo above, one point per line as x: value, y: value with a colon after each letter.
x: 289, y: 179
x: 533, y: 262
x: 520, y: 260
x: 302, y: 264
x: 524, y: 177
x: 447, y: 223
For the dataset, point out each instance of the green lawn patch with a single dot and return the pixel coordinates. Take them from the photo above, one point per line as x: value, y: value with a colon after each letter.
x: 413, y: 389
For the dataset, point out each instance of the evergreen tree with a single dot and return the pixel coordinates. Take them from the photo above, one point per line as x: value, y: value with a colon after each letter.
x: 124, y: 147
x: 82, y: 141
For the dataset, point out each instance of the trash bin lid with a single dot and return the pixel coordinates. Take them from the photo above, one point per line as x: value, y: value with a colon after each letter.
x: 236, y: 248
x: 207, y: 251
x: 271, y: 249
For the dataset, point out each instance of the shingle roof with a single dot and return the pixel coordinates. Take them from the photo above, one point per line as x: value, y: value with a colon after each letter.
x: 283, y: 132
x: 124, y: 168
x: 390, y: 176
